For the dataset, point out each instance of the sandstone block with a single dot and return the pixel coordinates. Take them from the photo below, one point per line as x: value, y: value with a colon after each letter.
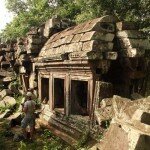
x: 132, y: 52
x: 127, y: 43
x: 5, y: 92
x: 34, y: 39
x: 9, y: 101
x: 94, y: 35
x: 111, y: 55
x: 77, y: 37
x: 5, y: 114
x: 97, y: 46
x: 51, y: 23
x: 85, y: 55
x: 126, y: 26
x: 135, y: 34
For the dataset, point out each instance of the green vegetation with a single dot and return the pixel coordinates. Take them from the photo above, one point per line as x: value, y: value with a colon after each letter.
x: 83, y: 140
x: 4, y: 108
x: 44, y: 140
x: 29, y: 13
x: 47, y: 142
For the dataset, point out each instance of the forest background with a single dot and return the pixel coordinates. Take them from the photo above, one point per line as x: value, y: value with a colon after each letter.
x: 32, y: 13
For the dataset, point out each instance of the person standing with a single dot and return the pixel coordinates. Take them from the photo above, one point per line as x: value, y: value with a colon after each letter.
x: 29, y: 118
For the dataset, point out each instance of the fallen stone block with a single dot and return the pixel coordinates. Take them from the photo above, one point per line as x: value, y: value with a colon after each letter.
x: 34, y: 40
x: 135, y: 34
x: 127, y: 43
x: 8, y: 79
x: 8, y: 101
x: 15, y: 119
x: 126, y: 26
x: 5, y: 114
x: 51, y: 23
x: 114, y: 139
x: 5, y: 92
x: 13, y: 88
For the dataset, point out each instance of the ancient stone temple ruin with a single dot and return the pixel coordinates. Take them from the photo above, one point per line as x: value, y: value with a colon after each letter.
x: 73, y: 68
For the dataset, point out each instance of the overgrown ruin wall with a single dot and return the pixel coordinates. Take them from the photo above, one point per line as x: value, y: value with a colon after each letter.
x: 83, y: 64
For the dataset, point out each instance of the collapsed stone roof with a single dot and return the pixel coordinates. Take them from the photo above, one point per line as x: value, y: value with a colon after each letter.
x: 94, y: 39
x: 94, y: 36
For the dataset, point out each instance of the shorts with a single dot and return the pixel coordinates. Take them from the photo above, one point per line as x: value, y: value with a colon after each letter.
x: 28, y: 121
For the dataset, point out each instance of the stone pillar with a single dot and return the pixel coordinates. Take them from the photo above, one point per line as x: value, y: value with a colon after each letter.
x: 39, y: 86
x: 51, y: 102
x: 67, y: 90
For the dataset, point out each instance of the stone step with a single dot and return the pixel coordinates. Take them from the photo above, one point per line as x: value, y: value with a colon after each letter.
x: 77, y: 122
x: 64, y: 136
x: 67, y: 128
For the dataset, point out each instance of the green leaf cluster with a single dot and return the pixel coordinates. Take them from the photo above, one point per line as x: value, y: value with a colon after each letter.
x: 31, y: 13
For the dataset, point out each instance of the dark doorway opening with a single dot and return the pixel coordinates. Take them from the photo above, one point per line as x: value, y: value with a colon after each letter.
x: 45, y: 89
x: 79, y: 92
x: 58, y: 93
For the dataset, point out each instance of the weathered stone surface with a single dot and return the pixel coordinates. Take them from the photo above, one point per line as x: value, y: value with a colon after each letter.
x: 54, y: 57
x: 98, y: 24
x: 132, y: 52
x: 68, y: 39
x: 20, y: 41
x: 77, y: 37
x: 5, y: 73
x: 126, y: 26
x: 22, y: 102
x: 85, y: 55
x: 94, y: 35
x: 115, y: 139
x: 15, y: 119
x: 32, y: 47
x: 41, y: 29
x: 8, y: 79
x: 13, y: 88
x: 32, y: 82
x: 8, y: 101
x: 75, y: 47
x: 127, y: 43
x: 5, y: 114
x: 34, y: 39
x: 20, y: 49
x: 33, y: 31
x: 101, y: 29
x: 51, y: 23
x: 22, y: 69
x: 111, y: 55
x: 23, y: 57
x: 5, y: 92
x: 130, y: 126
x: 135, y: 34
x: 95, y: 45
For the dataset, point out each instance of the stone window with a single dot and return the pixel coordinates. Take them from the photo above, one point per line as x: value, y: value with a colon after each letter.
x: 79, y: 98
x: 58, y: 93
x: 45, y: 89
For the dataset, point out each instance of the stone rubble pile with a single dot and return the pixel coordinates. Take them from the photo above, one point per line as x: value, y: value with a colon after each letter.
x: 130, y: 124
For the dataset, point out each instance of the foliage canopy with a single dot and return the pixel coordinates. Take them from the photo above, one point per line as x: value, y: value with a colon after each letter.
x: 28, y: 13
